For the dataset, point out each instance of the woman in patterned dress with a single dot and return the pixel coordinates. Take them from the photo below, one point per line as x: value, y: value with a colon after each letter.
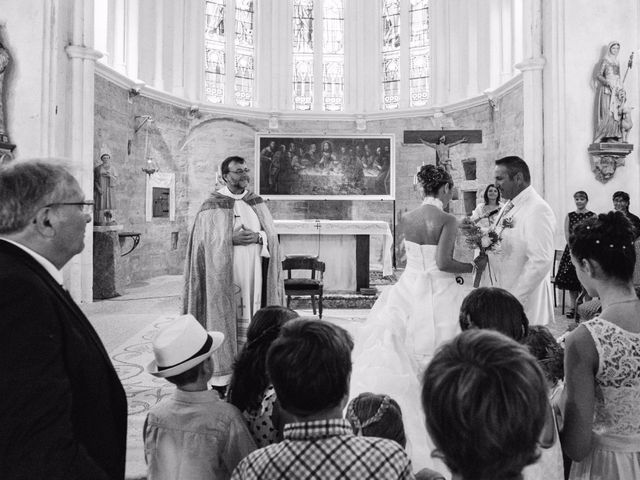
x: 566, y: 278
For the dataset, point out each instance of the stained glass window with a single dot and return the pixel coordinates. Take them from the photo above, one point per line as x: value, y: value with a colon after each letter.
x: 390, y: 54
x: 303, y: 84
x: 419, y: 53
x: 333, y: 56
x: 236, y: 45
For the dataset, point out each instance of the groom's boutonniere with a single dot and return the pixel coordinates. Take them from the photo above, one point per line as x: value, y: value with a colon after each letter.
x: 507, y: 222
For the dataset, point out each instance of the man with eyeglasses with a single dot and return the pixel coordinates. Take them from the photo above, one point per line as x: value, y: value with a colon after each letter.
x: 233, y: 265
x: 63, y: 411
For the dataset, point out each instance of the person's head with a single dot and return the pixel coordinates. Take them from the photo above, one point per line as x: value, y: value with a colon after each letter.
x: 105, y: 158
x: 602, y: 251
x: 496, y: 309
x: 442, y: 139
x: 272, y: 145
x: 436, y: 182
x: 250, y: 379
x: 375, y: 415
x: 235, y: 173
x: 485, y: 401
x: 621, y: 201
x: 581, y: 199
x: 326, y: 147
x: 43, y: 207
x: 512, y: 176
x: 613, y: 48
x: 309, y: 365
x: 491, y: 194
x: 182, y: 352
x: 548, y: 352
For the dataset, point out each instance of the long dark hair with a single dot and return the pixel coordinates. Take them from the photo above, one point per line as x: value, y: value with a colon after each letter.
x: 250, y: 379
x: 486, y: 194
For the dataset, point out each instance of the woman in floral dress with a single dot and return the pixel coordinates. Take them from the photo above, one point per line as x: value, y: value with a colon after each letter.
x: 566, y: 278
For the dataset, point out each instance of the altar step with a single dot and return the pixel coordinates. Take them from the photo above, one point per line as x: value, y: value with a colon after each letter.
x: 342, y: 300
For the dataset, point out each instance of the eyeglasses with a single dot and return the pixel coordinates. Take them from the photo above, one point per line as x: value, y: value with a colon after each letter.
x: 240, y: 172
x: 87, y: 206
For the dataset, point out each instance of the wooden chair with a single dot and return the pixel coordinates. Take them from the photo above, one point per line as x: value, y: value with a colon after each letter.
x: 554, y: 270
x: 304, y: 286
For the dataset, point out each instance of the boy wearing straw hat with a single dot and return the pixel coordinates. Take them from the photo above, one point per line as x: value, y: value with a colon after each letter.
x: 191, y: 434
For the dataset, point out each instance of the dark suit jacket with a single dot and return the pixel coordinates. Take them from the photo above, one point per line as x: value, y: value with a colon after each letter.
x: 63, y: 411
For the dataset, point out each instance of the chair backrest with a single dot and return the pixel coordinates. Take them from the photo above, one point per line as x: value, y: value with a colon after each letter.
x: 303, y: 263
x: 636, y: 270
x: 557, y: 256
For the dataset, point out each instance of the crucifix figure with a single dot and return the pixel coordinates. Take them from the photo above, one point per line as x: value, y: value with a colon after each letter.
x: 437, y: 139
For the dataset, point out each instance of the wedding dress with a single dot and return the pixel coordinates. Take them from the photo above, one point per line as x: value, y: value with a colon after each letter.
x: 397, y: 341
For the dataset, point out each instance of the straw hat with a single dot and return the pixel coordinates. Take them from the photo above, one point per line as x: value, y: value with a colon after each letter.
x: 181, y: 346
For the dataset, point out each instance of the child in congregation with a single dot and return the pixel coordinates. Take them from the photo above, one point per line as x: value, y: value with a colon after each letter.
x: 191, y: 434
x: 376, y: 415
x: 601, y: 398
x: 310, y: 365
x: 485, y: 402
x: 496, y: 309
x: 250, y: 389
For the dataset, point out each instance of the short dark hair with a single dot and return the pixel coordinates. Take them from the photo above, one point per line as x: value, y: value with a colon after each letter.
x: 548, y: 352
x: 485, y: 401
x: 581, y: 192
x: 496, y: 309
x: 188, y: 376
x: 249, y: 379
x: 433, y: 178
x: 607, y: 239
x: 310, y: 365
x: 27, y: 186
x: 376, y: 415
x: 624, y: 196
x: 515, y: 165
x: 224, y: 166
x: 486, y: 193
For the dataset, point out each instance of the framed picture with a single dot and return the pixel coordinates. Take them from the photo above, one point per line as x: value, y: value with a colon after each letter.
x: 323, y: 168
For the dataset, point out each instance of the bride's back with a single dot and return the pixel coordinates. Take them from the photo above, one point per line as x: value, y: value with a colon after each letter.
x: 423, y: 225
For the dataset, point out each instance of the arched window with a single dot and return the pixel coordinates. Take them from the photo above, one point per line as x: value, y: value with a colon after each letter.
x: 318, y: 52
x: 405, y: 55
x: 229, y: 50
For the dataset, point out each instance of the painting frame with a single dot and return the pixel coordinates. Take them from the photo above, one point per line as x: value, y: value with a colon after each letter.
x: 297, y: 166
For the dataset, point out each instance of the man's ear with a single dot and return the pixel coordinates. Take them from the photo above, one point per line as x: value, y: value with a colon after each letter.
x: 519, y: 178
x: 43, y: 222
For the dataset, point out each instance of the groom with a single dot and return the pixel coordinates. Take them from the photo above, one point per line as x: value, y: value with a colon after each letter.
x: 526, y: 225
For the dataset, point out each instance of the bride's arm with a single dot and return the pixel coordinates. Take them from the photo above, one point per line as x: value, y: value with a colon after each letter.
x: 444, y: 253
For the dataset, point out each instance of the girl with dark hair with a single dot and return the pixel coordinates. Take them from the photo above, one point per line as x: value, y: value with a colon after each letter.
x: 412, y: 318
x: 485, y: 213
x: 602, y: 356
x: 250, y: 389
x: 566, y: 278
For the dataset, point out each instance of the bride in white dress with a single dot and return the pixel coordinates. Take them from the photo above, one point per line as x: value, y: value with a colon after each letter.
x: 412, y: 318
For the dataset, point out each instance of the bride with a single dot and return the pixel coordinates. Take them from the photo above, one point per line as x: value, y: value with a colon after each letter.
x: 412, y: 318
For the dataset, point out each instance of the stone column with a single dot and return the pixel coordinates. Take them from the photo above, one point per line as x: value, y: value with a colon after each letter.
x: 158, y: 71
x: 78, y: 273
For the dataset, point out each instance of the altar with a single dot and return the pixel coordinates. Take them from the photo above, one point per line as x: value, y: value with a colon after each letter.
x: 349, y: 248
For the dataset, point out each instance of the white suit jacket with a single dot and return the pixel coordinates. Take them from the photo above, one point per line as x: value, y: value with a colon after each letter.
x: 523, y: 263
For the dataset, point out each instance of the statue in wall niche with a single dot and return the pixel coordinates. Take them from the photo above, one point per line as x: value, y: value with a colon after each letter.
x: 4, y: 63
x: 442, y: 151
x: 105, y: 178
x: 613, y: 116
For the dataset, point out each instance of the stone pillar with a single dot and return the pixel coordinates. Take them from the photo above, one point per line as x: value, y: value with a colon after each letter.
x: 158, y: 71
x: 108, y: 278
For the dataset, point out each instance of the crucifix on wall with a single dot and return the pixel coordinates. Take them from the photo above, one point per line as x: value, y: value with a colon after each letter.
x: 442, y: 141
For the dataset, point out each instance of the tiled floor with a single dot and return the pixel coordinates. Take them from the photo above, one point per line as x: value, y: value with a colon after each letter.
x: 127, y: 324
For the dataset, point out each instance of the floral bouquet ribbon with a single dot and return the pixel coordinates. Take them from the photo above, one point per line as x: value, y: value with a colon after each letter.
x: 483, y: 239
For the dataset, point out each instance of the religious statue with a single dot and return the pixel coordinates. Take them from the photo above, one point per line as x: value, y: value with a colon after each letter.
x: 4, y: 63
x: 104, y: 179
x: 442, y: 151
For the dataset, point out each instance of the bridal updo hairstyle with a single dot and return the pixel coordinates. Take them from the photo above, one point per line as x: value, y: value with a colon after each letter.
x: 376, y: 415
x: 432, y: 178
x: 607, y: 239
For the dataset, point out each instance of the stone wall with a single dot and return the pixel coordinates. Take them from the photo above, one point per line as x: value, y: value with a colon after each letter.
x: 192, y: 145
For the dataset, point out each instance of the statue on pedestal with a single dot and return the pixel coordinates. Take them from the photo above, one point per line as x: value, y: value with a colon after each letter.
x: 6, y: 147
x: 105, y: 178
x: 613, y: 116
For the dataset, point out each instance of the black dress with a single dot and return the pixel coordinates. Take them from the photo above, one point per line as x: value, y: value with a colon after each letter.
x: 566, y: 277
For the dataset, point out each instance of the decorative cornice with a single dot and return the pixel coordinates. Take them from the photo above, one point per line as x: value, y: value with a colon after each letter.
x: 79, y: 51
x: 531, y: 64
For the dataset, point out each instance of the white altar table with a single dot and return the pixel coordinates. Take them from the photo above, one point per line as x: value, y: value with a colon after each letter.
x: 343, y: 245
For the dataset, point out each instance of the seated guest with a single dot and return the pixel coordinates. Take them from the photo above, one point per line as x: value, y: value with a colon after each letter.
x: 191, y: 434
x: 250, y: 389
x: 310, y: 365
x: 601, y: 430
x: 485, y: 401
x: 621, y: 202
x: 375, y: 415
x: 494, y: 308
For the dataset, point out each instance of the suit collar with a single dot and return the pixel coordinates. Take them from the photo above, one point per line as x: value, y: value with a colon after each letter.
x: 523, y: 196
x: 46, y: 264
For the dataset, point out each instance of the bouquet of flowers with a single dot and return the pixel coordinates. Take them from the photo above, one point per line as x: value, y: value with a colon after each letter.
x: 485, y: 240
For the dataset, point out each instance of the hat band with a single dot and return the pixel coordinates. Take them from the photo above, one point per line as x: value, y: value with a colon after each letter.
x: 205, y: 348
